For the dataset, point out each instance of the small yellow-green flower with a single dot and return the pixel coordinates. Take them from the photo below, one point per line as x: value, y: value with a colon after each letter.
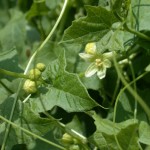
x: 99, y: 62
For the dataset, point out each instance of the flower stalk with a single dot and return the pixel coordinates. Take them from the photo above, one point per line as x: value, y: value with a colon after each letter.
x: 14, y: 74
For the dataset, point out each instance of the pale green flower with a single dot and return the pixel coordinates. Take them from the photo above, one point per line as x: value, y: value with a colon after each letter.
x: 99, y: 62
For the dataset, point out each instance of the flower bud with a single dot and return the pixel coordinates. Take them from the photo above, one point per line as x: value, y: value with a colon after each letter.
x: 34, y: 74
x: 90, y: 48
x: 30, y: 86
x: 41, y: 66
x: 67, y: 139
x: 74, y: 147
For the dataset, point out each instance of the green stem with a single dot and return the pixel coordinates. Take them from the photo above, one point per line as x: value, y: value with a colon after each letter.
x: 77, y: 135
x: 48, y: 37
x: 115, y: 91
x: 83, y: 140
x: 26, y: 70
x: 10, y: 118
x: 72, y: 132
x: 32, y: 134
x: 63, y: 21
x: 131, y: 90
x: 13, y: 74
x: 122, y: 90
x: 135, y: 88
x: 139, y: 34
x: 116, y: 103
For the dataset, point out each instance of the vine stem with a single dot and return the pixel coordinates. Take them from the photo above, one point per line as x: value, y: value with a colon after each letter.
x: 47, y: 38
x: 32, y: 134
x: 135, y: 88
x: 130, y: 89
x: 14, y: 74
x: 25, y: 72
x: 116, y: 103
x: 139, y: 34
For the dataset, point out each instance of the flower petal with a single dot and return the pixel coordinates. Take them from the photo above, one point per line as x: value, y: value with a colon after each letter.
x: 91, y: 70
x: 101, y: 73
x: 108, y: 55
x: 107, y: 63
x: 86, y: 56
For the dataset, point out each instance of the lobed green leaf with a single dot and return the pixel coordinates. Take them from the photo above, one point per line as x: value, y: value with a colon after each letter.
x: 125, y: 133
x: 94, y: 26
x: 66, y: 90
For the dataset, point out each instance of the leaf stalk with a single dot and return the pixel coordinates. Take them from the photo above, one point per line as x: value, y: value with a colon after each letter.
x: 139, y: 34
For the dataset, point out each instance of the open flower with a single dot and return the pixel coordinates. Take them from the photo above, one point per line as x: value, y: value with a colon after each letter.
x: 99, y: 62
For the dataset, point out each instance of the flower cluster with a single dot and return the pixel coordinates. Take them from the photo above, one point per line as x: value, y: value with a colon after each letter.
x: 99, y: 62
x: 31, y: 84
x: 70, y: 142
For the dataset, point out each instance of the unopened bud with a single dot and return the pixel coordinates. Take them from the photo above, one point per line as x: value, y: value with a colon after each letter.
x: 30, y: 87
x: 41, y: 66
x: 34, y: 74
x: 74, y: 147
x: 90, y: 48
x: 67, y: 139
